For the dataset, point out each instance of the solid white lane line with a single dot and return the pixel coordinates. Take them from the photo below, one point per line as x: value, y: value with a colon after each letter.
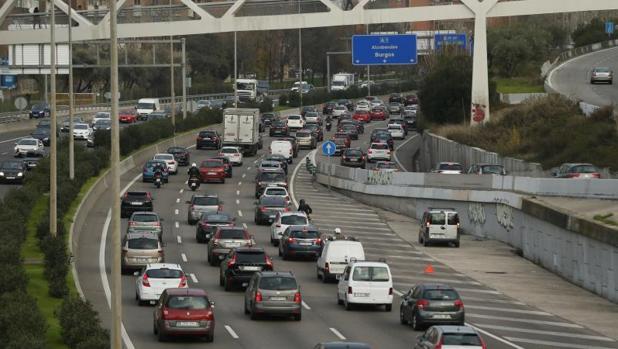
x: 292, y: 194
x: 244, y: 225
x: 184, y: 257
x: 179, y: 239
x: 181, y: 191
x: 231, y: 332
x: 244, y: 175
x: 490, y: 300
x: 554, y: 344
x: 177, y: 225
x: 193, y: 278
x: 528, y: 321
x: 237, y: 202
x: 178, y: 200
x: 510, y: 310
x: 397, y: 149
x: 547, y: 333
x: 337, y: 333
x: 434, y: 279
x: 186, y: 182
x: 305, y: 305
x: 397, y: 292
x: 500, y: 339
x: 176, y: 211
x: 237, y: 192
x: 239, y: 213
x: 239, y: 184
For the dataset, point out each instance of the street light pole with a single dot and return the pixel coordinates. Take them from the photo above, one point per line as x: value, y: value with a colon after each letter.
x: 71, y: 100
x: 173, y: 93
x: 53, y: 182
x: 300, y: 64
x: 368, y: 72
x: 116, y: 297
x: 235, y: 71
x: 184, y: 79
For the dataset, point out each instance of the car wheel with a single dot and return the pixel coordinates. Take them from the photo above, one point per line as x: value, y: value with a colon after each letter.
x: 416, y: 324
x: 221, y: 282
x: 317, y: 273
x: 227, y: 284
x: 154, y: 329
x: 339, y: 301
x: 161, y: 336
x: 347, y: 305
x: 425, y: 242
x: 298, y: 317
x: 246, y: 309
x: 402, y: 317
x: 388, y: 307
x: 420, y: 238
x: 254, y: 315
x: 456, y: 244
x: 223, y: 181
x: 279, y: 251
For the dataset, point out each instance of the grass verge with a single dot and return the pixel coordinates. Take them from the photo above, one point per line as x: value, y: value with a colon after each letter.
x: 606, y: 219
x: 519, y: 85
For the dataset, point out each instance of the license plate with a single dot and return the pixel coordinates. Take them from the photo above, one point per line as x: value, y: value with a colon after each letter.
x: 136, y: 203
x: 277, y: 298
x: 212, y: 173
x: 361, y: 294
x: 233, y: 244
x: 187, y: 324
x: 10, y: 177
x: 441, y: 316
x: 305, y: 243
x: 251, y: 268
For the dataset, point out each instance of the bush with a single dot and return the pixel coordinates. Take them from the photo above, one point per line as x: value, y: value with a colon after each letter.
x: 81, y: 327
x: 12, y: 278
x: 21, y: 322
x: 590, y: 33
x: 56, y: 265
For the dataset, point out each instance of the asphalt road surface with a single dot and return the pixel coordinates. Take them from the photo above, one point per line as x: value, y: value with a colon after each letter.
x: 573, y: 78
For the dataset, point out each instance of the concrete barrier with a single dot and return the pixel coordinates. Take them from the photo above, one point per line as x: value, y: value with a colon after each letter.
x: 517, y: 98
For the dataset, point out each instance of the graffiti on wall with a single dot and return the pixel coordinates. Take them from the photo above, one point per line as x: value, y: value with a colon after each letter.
x: 379, y: 177
x: 504, y: 214
x: 476, y: 213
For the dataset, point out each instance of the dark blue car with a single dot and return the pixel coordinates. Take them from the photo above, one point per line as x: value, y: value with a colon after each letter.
x: 39, y: 111
x: 300, y: 241
x: 148, y: 171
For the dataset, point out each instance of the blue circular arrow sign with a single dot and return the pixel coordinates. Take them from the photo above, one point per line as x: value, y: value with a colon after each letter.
x: 328, y: 148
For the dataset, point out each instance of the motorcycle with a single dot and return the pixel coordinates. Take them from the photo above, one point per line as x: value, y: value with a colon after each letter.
x: 329, y: 124
x: 157, y: 181
x: 194, y: 183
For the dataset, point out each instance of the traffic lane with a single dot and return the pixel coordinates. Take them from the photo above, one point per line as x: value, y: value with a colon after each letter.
x: 573, y: 78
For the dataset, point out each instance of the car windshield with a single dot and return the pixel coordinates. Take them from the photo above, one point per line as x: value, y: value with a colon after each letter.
x: 273, y: 201
x: 275, y: 191
x: 152, y: 163
x: 370, y: 273
x: 11, y: 165
x: 583, y: 169
x: 164, y: 273
x: 212, y: 163
x: 143, y: 243
x: 80, y: 126
x: 495, y: 169
x: 377, y: 110
x: 145, y: 218
x: 205, y: 201
x: 340, y: 107
x: 250, y: 257
x: 450, y: 167
x: 273, y: 177
x: 103, y: 122
x: 279, y: 123
x: 294, y: 220
x: 232, y: 234
x: 135, y: 195
x: 379, y: 146
x: 229, y: 150
x: 27, y: 142
x: 278, y: 283
x: 218, y: 218
x: 463, y: 339
x: 305, y: 234
x: 146, y: 106
x: 188, y: 302
x: 245, y: 86
x: 394, y: 127
x: 270, y: 165
x: 39, y: 107
x: 440, y: 295
x: 176, y: 150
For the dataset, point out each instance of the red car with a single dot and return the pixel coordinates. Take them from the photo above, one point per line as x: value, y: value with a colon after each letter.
x: 345, y: 136
x: 127, y: 116
x: 212, y: 170
x: 184, y: 312
x: 378, y: 114
x: 362, y: 116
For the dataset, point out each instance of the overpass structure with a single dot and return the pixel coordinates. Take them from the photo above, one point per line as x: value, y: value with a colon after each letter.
x: 188, y: 17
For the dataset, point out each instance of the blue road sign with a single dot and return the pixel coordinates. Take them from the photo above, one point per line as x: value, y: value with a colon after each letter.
x: 609, y: 27
x: 442, y: 40
x: 384, y: 49
x: 328, y: 148
x: 8, y: 81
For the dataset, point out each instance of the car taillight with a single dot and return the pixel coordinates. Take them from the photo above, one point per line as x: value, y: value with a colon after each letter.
x: 183, y: 282
x: 459, y: 304
x: 145, y: 281
x: 317, y: 241
x: 161, y: 252
x: 149, y: 196
x: 297, y: 298
x: 131, y: 223
x: 199, y: 138
x: 349, y: 289
x: 290, y: 151
x: 210, y: 315
x: 369, y: 151
x: 326, y: 267
x: 231, y: 262
x: 287, y: 209
x: 215, y: 243
x: 422, y: 303
x: 258, y: 297
x: 439, y: 344
x: 263, y: 209
x: 390, y: 291
x: 483, y: 345
x: 291, y: 240
x: 165, y: 313
x: 269, y: 263
x: 157, y: 224
x: 220, y: 207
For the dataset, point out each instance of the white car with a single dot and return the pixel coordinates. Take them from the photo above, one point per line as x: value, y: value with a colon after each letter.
x: 155, y: 278
x: 283, y: 148
x: 378, y: 151
x: 102, y: 115
x: 396, y: 131
x: 335, y: 256
x: 312, y: 118
x: 364, y: 282
x: 362, y: 106
x: 449, y: 168
x: 29, y: 146
x: 339, y: 110
x: 233, y: 154
x: 295, y: 122
x: 81, y: 131
x: 282, y: 221
x: 172, y: 164
x: 275, y: 190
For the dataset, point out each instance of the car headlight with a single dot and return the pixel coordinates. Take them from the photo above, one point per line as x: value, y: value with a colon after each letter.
x: 20, y: 174
x: 1, y: 174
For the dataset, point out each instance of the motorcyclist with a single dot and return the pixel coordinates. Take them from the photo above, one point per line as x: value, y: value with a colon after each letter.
x: 158, y: 172
x: 304, y: 207
x: 193, y: 171
x: 338, y: 234
x: 329, y: 122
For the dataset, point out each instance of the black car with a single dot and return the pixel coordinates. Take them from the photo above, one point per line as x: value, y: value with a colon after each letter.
x: 39, y: 111
x: 349, y: 129
x: 353, y: 157
x: 359, y: 125
x: 431, y: 304
x: 316, y: 131
x: 208, y: 224
x: 240, y: 264
x: 328, y: 108
x: 267, y: 207
x: 227, y: 164
x: 134, y: 201
x: 279, y: 158
x: 278, y: 128
x: 265, y: 178
x: 12, y: 171
x: 300, y: 241
x: 410, y: 119
x: 158, y: 115
x: 410, y: 100
x: 308, y: 108
x: 44, y: 124
x: 208, y: 139
x: 42, y: 134
x: 268, y: 118
x: 181, y: 155
x: 346, y: 103
x: 382, y: 137
x: 395, y: 98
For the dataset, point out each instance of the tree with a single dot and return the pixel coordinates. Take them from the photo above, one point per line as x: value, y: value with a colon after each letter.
x: 589, y: 33
x: 514, y: 48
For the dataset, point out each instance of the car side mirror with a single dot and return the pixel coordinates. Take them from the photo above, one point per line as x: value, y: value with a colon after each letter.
x: 212, y: 304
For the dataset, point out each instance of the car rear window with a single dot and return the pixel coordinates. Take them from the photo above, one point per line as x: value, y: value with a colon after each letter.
x: 451, y: 167
x: 188, y: 302
x: 278, y: 283
x: 229, y: 151
x: 294, y: 117
x: 379, y: 146
x: 212, y: 163
x: 305, y: 234
x: 303, y: 134
x: 250, y: 256
x: 218, y: 218
x: 370, y: 273
x: 463, y: 339
x: 440, y: 295
x: 207, y: 134
x: 354, y: 152
x: 145, y: 218
x: 437, y: 218
x: 294, y: 220
x: 386, y: 165
x: 394, y: 127
x: 143, y: 244
x: 232, y: 234
x: 273, y: 201
x: 583, y: 169
x: 276, y: 191
x: 164, y: 273
x: 269, y: 176
x: 205, y: 201
x: 453, y: 218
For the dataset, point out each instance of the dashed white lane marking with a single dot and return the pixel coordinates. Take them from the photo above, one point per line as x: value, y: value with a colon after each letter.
x: 181, y: 191
x: 237, y: 192
x: 186, y: 182
x: 554, y: 344
x: 179, y: 239
x: 244, y: 175
x: 237, y: 202
x: 193, y: 278
x: 306, y: 306
x: 239, y: 213
x: 249, y: 168
x: 244, y: 225
x: 184, y: 257
x: 178, y: 200
x: 239, y: 184
x: 231, y: 332
x: 176, y: 211
x: 5, y: 153
x: 546, y: 333
x: 513, y: 345
x: 337, y: 333
x: 177, y: 225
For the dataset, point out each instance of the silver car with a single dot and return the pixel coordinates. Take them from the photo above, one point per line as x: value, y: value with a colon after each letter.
x: 146, y: 221
x: 140, y: 249
x: 273, y: 293
x: 305, y: 139
x: 601, y: 74
x: 200, y: 204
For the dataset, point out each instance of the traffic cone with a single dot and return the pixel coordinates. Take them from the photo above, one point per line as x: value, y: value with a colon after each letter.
x: 429, y: 269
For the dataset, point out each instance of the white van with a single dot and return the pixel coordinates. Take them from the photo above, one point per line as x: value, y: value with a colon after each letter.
x: 439, y: 225
x: 146, y: 106
x: 283, y: 148
x: 365, y: 282
x: 335, y: 257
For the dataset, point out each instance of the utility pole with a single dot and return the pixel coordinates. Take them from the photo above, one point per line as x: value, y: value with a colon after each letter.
x: 71, y: 100
x: 53, y: 189
x: 184, y: 79
x: 116, y: 298
x: 368, y: 71
x: 235, y: 71
x: 300, y: 65
x: 172, y: 82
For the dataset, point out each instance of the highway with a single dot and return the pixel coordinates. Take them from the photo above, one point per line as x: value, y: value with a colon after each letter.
x: 504, y: 322
x: 573, y: 78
